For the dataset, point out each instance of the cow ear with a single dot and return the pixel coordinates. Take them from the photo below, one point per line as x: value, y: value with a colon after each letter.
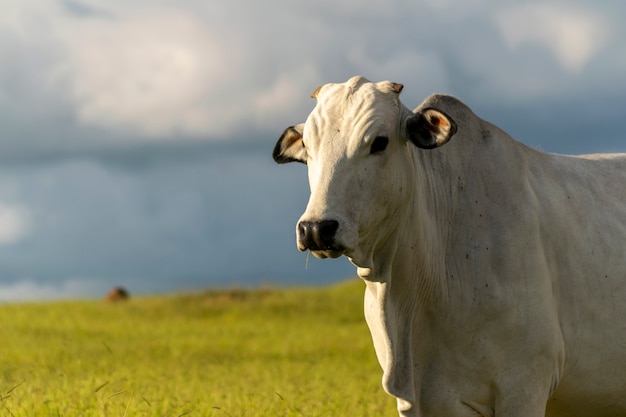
x: 290, y: 147
x: 430, y: 128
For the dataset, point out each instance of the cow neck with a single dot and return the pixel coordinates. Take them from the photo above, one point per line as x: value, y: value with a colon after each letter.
x: 409, y: 279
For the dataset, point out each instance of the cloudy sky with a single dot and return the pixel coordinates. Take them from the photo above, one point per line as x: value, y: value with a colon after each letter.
x: 135, y: 136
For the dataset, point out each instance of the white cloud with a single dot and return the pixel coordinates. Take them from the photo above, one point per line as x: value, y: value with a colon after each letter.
x: 422, y: 70
x: 153, y: 73
x: 275, y: 104
x: 573, y: 35
x: 14, y: 223
x: 165, y: 72
x: 145, y: 71
x: 86, y: 70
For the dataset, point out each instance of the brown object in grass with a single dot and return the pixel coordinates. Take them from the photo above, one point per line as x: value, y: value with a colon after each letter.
x: 117, y: 294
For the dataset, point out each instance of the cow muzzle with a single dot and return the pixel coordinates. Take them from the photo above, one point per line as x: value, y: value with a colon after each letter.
x: 319, y: 237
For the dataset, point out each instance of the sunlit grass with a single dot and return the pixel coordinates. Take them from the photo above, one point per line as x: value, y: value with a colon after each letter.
x: 268, y: 352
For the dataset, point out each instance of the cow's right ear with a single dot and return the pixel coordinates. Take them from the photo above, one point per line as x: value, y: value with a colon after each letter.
x: 290, y: 147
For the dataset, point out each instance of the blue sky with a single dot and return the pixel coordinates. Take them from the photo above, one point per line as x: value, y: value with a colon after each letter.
x: 135, y: 137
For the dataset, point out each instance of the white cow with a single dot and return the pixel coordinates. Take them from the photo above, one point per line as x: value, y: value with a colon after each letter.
x: 495, y: 274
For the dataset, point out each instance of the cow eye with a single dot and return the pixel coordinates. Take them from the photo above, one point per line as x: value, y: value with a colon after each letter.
x: 379, y: 144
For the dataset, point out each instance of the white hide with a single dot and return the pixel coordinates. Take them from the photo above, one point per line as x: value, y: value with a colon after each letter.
x: 495, y: 274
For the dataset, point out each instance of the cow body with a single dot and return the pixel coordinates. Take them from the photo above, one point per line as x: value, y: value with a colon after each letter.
x: 495, y: 274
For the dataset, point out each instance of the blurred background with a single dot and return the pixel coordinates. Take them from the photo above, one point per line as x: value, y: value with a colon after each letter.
x: 136, y: 136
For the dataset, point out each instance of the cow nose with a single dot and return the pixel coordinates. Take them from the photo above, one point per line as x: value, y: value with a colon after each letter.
x: 317, y: 235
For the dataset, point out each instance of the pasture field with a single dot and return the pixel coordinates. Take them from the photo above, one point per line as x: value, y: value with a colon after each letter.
x: 231, y: 353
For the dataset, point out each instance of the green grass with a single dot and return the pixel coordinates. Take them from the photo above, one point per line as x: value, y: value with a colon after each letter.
x: 268, y: 352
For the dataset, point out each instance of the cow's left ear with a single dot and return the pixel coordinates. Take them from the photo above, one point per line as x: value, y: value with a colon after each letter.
x: 290, y: 147
x: 430, y: 128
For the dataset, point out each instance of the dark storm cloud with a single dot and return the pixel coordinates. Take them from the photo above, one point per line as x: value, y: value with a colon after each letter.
x: 222, y: 217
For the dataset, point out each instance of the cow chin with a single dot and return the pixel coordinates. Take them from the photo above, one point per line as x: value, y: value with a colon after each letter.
x: 323, y: 254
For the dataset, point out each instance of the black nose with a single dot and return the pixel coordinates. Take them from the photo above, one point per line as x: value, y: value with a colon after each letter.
x: 317, y: 235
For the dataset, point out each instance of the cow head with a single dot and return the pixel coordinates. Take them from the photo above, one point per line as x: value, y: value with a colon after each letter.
x: 356, y: 143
